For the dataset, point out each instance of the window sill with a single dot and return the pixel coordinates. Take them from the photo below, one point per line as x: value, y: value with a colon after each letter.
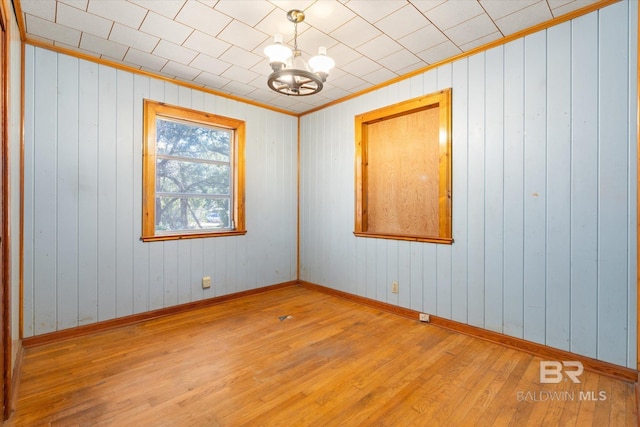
x: 184, y: 236
x: 441, y: 240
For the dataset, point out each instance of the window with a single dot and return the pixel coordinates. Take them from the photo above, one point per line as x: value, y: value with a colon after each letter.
x: 403, y: 170
x: 193, y: 174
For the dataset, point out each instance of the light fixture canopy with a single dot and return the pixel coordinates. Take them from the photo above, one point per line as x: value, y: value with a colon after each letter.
x: 291, y: 75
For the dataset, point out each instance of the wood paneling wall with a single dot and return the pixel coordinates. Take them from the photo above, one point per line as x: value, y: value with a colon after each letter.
x: 84, y: 261
x: 544, y: 192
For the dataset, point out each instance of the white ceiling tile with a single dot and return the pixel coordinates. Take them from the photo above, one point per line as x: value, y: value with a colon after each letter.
x: 426, y: 5
x: 277, y: 23
x: 412, y: 68
x: 380, y: 47
x: 72, y: 48
x: 361, y: 66
x: 287, y: 102
x: 312, y: 39
x: 41, y: 9
x: 165, y: 28
x: 242, y: 35
x: 198, y: 16
x: 212, y: 80
x: 336, y: 73
x: 559, y: 8
x: 168, y: 8
x: 241, y: 57
x: 180, y: 70
x: 374, y: 14
x: 174, y: 52
x: 49, y: 30
x: 452, y: 13
x: 524, y: 18
x: 145, y: 60
x: 119, y: 11
x: 402, y: 22
x: 500, y: 8
x: 380, y: 76
x: 355, y: 32
x: 101, y: 46
x: 207, y: 44
x: 553, y: 4
x: 481, y: 41
x: 260, y: 82
x: 399, y: 60
x: 264, y: 96
x: 41, y: 40
x: 248, y: 11
x: 239, y: 74
x: 209, y: 64
x: 333, y: 92
x: 342, y: 54
x: 440, y: 52
x: 209, y: 3
x: 473, y: 29
x: 83, y: 21
x: 237, y: 88
x: 328, y: 15
x: 78, y: 4
x: 287, y: 5
x: 423, y: 39
x: 136, y: 39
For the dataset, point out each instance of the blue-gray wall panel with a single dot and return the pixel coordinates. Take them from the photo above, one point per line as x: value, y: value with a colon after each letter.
x: 544, y: 192
x: 84, y: 261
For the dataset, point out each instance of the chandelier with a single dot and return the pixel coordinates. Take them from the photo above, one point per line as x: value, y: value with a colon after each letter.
x: 291, y: 74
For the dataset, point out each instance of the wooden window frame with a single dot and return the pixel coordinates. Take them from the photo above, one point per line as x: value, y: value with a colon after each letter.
x: 153, y: 110
x: 442, y: 100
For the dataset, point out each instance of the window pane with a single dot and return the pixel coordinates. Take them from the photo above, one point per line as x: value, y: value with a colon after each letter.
x: 191, y: 140
x: 193, y: 174
x: 191, y: 213
x: 174, y: 176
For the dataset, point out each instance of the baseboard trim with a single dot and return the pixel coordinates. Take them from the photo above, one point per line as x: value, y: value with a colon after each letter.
x: 546, y: 352
x: 637, y: 390
x: 15, y: 378
x: 65, y: 334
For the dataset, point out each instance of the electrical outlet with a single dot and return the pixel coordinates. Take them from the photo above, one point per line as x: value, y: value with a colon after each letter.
x: 394, y: 287
x: 424, y: 317
x: 206, y: 282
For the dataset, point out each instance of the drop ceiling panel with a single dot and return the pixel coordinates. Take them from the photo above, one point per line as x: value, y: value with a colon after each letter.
x: 163, y: 27
x: 126, y: 13
x: 219, y: 44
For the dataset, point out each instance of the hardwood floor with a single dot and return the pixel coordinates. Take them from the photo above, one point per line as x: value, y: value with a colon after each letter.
x: 331, y: 363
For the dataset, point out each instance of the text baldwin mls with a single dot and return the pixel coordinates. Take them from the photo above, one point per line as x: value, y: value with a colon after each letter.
x: 548, y: 396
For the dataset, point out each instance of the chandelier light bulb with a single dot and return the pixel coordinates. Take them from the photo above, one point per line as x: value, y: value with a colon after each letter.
x: 278, y: 53
x: 321, y: 64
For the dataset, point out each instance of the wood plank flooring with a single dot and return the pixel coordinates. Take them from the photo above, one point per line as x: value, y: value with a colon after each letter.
x: 331, y: 363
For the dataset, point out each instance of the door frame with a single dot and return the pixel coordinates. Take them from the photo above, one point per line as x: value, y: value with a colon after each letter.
x: 5, y: 247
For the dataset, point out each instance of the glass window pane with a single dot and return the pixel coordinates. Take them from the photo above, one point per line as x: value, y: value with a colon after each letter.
x: 192, y: 140
x: 174, y: 176
x: 192, y: 214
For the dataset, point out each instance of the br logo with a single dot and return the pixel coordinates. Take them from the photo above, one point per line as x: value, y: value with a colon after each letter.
x: 551, y: 372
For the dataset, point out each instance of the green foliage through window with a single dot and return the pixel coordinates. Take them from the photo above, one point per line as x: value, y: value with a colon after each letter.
x: 193, y: 176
